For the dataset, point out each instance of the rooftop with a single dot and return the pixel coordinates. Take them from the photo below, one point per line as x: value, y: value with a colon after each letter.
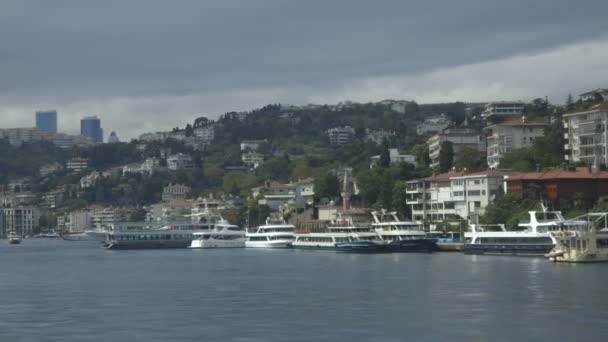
x: 562, y: 173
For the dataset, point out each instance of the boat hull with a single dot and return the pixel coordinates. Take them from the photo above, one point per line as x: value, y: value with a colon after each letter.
x: 363, y: 247
x: 157, y: 244
x: 196, y: 244
x: 412, y: 246
x: 14, y: 241
x: 508, y: 249
x: 269, y: 244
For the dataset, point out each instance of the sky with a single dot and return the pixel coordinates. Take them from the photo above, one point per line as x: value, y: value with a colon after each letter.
x: 150, y: 65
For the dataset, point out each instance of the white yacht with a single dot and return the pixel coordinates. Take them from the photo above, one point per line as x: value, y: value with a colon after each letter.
x: 533, y: 237
x: 223, y: 235
x: 343, y: 234
x: 586, y: 244
x: 272, y: 234
x: 401, y: 236
x: 13, y: 238
x: 87, y: 235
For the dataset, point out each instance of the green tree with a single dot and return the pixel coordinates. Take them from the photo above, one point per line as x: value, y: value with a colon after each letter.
x: 327, y: 186
x: 189, y: 130
x: 385, y: 157
x: 469, y: 158
x: 446, y: 156
x: 421, y: 152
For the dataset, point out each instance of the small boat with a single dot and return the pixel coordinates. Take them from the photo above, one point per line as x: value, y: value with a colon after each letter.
x: 223, y: 235
x: 275, y: 233
x: 14, y: 238
x: 447, y: 241
x: 586, y: 244
x: 401, y: 236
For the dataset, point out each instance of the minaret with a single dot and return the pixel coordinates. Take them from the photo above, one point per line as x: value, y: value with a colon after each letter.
x: 346, y: 193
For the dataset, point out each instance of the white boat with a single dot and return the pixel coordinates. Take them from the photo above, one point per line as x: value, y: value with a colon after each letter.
x: 13, y: 238
x: 223, y: 235
x: 87, y: 235
x: 273, y: 234
x: 401, y: 236
x: 340, y: 233
x: 533, y: 238
x: 586, y: 244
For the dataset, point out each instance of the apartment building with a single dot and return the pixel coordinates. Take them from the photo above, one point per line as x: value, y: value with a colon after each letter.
x: 460, y: 138
x: 586, y: 135
x: 503, y: 108
x: 341, y: 135
x: 453, y: 195
x: 510, y: 135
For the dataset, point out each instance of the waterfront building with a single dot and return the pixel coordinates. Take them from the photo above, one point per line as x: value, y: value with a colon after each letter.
x: 179, y: 161
x: 510, y: 135
x: 16, y: 199
x: 503, y: 108
x: 90, y: 127
x: 102, y: 217
x: 455, y: 195
x: 589, y: 183
x: 292, y: 195
x: 460, y: 138
x: 586, y: 134
x: 341, y: 135
x: 22, y: 220
x: 46, y: 121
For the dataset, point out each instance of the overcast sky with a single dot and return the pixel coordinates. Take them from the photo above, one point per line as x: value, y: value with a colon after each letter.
x: 147, y: 65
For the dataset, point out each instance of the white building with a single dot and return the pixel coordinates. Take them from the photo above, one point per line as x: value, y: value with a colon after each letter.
x: 286, y: 196
x: 252, y: 145
x: 455, y: 195
x: 179, y: 161
x: 174, y: 192
x: 22, y: 220
x: 592, y: 95
x: 586, y: 134
x: 510, y: 135
x: 102, y: 217
x: 253, y: 159
x: 503, y: 108
x: 205, y: 134
x: 395, y: 157
x: 89, y: 180
x: 434, y: 124
x: 460, y: 138
x: 77, y: 164
x: 341, y: 135
x: 75, y: 221
x: 379, y: 136
x: 53, y: 199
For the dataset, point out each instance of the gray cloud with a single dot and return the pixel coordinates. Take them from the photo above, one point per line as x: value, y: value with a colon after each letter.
x: 145, y: 64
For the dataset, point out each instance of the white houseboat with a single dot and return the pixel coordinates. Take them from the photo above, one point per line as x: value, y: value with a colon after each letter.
x: 587, y: 244
x: 223, y: 235
x: 401, y: 236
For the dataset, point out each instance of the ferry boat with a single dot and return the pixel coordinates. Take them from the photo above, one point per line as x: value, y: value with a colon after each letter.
x: 14, y: 238
x: 533, y: 239
x: 342, y: 234
x: 147, y: 235
x: 401, y: 236
x: 275, y: 233
x: 587, y: 244
x: 223, y: 235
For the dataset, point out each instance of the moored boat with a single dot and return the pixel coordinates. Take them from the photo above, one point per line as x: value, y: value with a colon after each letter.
x: 586, y: 244
x: 14, y: 238
x: 223, y: 235
x: 447, y: 241
x: 533, y: 239
x: 401, y: 236
x: 275, y: 233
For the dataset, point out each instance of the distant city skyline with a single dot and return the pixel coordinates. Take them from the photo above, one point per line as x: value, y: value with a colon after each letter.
x: 179, y: 60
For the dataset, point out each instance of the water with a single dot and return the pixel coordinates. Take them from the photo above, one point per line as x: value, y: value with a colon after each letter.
x: 55, y: 290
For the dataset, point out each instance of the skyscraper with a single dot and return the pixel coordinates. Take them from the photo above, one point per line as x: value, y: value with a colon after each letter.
x: 46, y: 121
x: 90, y: 127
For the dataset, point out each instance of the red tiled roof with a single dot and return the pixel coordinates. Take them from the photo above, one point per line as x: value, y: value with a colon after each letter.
x: 520, y: 122
x: 577, y: 173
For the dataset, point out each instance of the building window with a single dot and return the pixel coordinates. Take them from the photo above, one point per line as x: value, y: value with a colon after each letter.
x: 473, y: 192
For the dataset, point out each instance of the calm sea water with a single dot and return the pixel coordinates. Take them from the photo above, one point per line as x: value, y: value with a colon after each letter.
x: 53, y: 290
